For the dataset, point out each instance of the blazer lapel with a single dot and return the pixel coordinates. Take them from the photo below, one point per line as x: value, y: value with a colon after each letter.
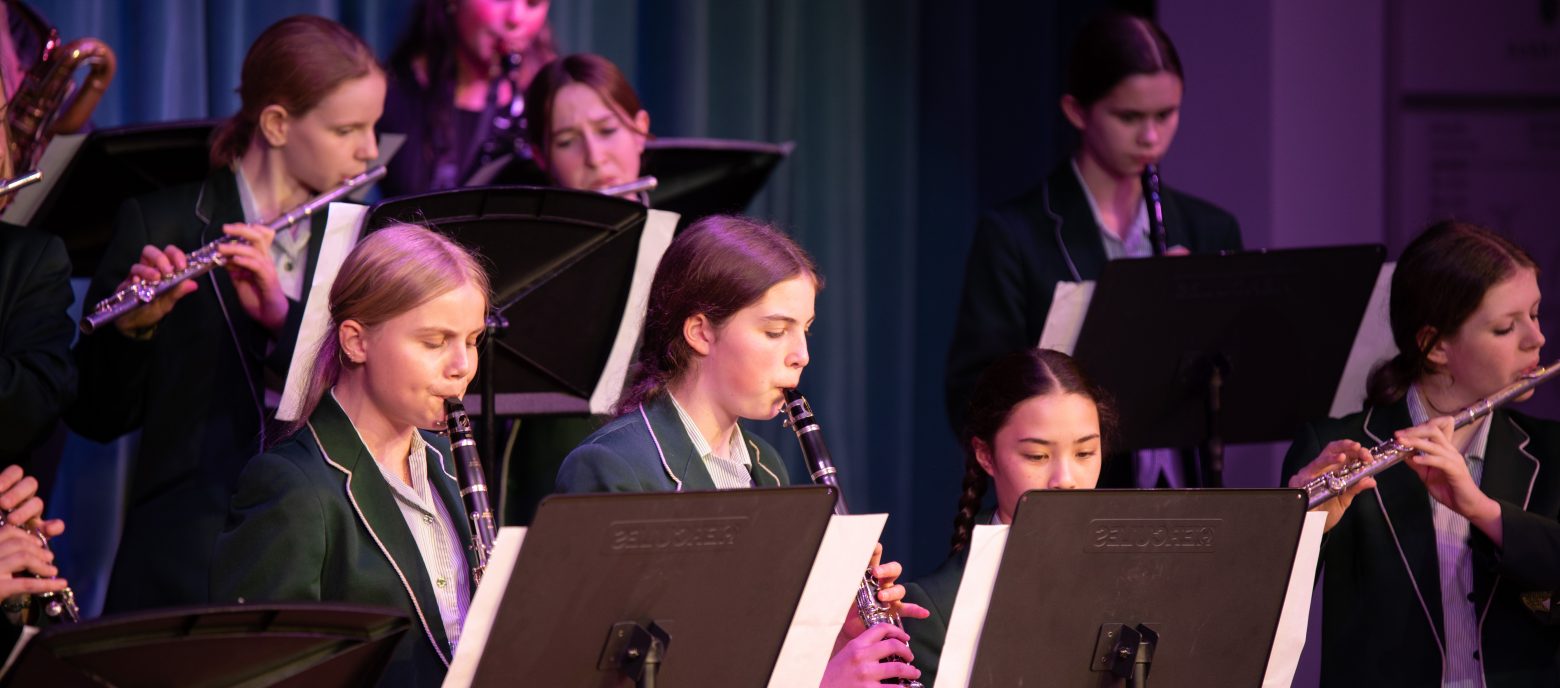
x: 1080, y: 235
x: 1509, y: 474
x: 442, y: 476
x: 1176, y: 233
x: 1405, y: 505
x: 379, y: 514
x: 678, y: 457
x: 764, y: 475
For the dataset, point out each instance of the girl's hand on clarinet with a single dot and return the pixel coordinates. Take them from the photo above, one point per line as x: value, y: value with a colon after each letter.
x: 860, y: 662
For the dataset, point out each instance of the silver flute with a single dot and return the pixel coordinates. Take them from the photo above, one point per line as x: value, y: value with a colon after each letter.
x: 799, y: 416
x: 1383, y: 456
x: 639, y: 185
x: 206, y: 258
x: 15, y: 184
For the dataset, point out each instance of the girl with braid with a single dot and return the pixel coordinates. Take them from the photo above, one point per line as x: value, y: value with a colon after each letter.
x: 1034, y: 423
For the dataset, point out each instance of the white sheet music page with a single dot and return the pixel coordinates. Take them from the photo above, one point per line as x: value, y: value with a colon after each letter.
x: 1372, y: 344
x: 1296, y: 613
x: 343, y: 225
x: 659, y: 226
x: 56, y: 157
x: 1065, y: 319
x: 970, y: 605
x: 828, y: 596
x: 478, y: 626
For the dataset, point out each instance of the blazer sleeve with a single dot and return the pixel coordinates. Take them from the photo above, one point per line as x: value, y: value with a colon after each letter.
x: 1530, y: 552
x: 598, y: 468
x: 37, y: 373
x: 926, y: 635
x: 113, y: 368
x: 992, y: 309
x: 274, y: 545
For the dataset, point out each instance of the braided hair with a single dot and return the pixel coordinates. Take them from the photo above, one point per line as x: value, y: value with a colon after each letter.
x: 1004, y: 385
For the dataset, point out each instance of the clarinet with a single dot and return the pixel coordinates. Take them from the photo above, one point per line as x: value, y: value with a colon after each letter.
x: 207, y: 258
x: 799, y: 417
x: 473, y: 481
x: 47, y: 607
x: 1156, y: 211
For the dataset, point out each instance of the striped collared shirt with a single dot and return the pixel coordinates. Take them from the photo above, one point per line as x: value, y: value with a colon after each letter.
x: 438, y: 540
x: 1464, y: 664
x: 731, y: 472
x: 290, y: 248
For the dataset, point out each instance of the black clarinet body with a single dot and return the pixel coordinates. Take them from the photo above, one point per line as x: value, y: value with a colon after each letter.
x: 473, y: 485
x: 1156, y: 211
x: 820, y: 465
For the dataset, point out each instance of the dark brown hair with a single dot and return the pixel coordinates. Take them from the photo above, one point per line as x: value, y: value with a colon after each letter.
x: 432, y: 38
x: 295, y: 63
x: 1008, y: 382
x: 1112, y: 47
x: 718, y: 266
x: 1438, y: 284
x: 592, y: 70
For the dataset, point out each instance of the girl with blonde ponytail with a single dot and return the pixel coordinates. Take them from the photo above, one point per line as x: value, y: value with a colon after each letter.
x: 360, y: 503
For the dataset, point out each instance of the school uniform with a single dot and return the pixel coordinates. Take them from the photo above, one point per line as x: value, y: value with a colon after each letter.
x: 193, y: 386
x: 1385, y: 621
x: 315, y: 519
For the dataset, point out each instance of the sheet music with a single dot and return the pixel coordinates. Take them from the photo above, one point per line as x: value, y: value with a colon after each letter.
x: 1296, y: 614
x: 474, y: 631
x: 659, y: 227
x: 16, y: 650
x: 343, y: 225
x: 1065, y: 319
x: 56, y: 157
x: 1372, y: 344
x: 970, y: 605
x: 826, y: 599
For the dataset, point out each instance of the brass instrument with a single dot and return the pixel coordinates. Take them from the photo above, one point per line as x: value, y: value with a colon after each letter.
x: 473, y: 485
x: 206, y: 258
x: 47, y: 607
x: 1337, y: 481
x: 799, y: 417
x: 34, y: 115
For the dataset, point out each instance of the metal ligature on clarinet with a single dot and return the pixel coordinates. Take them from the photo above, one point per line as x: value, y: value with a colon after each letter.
x: 206, y: 258
x: 1153, y: 201
x: 46, y: 607
x: 473, y: 485
x: 799, y: 417
x: 1383, y: 456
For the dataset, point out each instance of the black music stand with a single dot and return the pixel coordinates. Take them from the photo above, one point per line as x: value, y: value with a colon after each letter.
x: 111, y: 166
x: 695, y: 177
x: 561, y: 264
x: 1210, y: 349
x: 709, y: 581
x: 279, y: 644
x: 1204, y: 570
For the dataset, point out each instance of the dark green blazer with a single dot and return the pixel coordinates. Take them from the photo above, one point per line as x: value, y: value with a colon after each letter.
x: 195, y: 390
x: 647, y: 450
x: 1382, y: 619
x: 937, y: 593
x: 314, y: 520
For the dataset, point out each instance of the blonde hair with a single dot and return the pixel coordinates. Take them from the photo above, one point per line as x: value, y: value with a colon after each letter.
x: 389, y: 272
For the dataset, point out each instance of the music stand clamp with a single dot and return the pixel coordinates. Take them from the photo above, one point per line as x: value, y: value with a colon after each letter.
x: 635, y: 651
x: 1127, y: 652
